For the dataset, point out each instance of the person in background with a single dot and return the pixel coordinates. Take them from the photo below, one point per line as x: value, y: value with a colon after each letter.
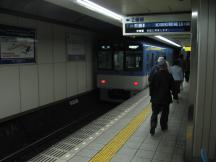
x: 155, y: 68
x: 178, y: 76
x: 161, y: 85
x: 187, y: 67
x: 182, y: 64
x: 164, y: 58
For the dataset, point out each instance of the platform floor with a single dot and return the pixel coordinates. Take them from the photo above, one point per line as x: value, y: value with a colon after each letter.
x: 122, y: 135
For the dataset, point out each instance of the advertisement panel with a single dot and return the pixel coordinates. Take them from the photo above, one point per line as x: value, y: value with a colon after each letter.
x: 17, y: 45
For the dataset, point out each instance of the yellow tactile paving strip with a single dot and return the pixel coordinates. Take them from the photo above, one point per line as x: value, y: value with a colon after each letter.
x: 110, y: 149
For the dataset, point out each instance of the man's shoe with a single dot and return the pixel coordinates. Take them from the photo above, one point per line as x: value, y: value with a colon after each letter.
x: 152, y: 131
x: 164, y: 128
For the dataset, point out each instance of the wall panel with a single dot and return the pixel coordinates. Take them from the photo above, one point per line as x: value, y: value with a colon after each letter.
x: 44, y: 43
x: 59, y: 44
x: 72, y: 78
x: 29, y: 87
x: 46, y: 84
x: 89, y: 66
x: 201, y: 81
x: 9, y: 91
x: 81, y: 76
x: 60, y: 91
x: 205, y: 113
x: 212, y: 87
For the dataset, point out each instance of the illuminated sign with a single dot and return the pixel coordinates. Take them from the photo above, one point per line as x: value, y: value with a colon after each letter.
x: 133, y: 46
x: 187, y: 49
x: 150, y: 25
x: 156, y: 27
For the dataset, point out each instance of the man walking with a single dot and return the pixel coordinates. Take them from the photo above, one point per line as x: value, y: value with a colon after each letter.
x: 161, y: 84
x: 178, y: 76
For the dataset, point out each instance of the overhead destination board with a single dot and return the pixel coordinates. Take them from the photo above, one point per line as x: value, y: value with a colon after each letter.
x: 152, y: 25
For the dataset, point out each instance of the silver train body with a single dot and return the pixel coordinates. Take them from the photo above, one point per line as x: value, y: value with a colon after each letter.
x: 123, y: 71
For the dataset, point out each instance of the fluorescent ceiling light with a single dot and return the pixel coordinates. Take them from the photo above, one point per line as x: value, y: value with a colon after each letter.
x: 194, y: 14
x: 97, y: 8
x: 133, y: 46
x: 147, y: 45
x: 167, y: 40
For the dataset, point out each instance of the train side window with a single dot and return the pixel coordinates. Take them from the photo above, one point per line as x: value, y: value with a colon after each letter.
x: 118, y: 60
x: 105, y: 60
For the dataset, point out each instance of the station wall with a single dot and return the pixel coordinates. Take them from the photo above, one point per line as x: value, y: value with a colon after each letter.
x: 203, y: 76
x: 53, y: 77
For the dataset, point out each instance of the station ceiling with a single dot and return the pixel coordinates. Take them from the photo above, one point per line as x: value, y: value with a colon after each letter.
x: 69, y: 12
x: 49, y: 12
x: 149, y: 7
x: 134, y: 7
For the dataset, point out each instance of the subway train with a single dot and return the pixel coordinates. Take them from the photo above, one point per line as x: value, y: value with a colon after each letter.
x: 123, y: 68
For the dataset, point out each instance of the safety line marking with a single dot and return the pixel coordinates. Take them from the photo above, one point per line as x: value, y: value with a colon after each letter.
x: 115, y: 144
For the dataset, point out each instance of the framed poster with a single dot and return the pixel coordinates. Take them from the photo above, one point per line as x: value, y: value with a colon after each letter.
x: 17, y: 45
x: 75, y: 47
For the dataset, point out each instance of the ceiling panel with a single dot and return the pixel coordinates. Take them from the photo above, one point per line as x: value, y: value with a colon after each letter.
x: 128, y: 7
x: 42, y: 10
x: 183, y: 40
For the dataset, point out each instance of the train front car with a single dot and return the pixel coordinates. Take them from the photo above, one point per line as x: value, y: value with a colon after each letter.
x: 120, y: 71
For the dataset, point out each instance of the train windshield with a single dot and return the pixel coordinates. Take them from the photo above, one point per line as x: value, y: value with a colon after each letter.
x: 105, y: 60
x: 133, y: 62
x: 118, y: 60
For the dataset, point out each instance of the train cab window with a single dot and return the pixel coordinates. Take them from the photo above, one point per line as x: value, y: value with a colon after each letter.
x: 133, y: 62
x: 118, y: 60
x: 105, y: 60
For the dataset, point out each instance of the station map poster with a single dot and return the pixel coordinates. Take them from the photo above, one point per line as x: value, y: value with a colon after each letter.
x: 75, y: 46
x: 17, y: 45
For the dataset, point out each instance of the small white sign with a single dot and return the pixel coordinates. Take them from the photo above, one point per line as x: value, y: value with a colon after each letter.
x: 75, y: 44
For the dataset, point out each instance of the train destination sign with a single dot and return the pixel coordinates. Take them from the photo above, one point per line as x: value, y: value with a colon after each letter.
x: 141, y: 25
x: 176, y: 26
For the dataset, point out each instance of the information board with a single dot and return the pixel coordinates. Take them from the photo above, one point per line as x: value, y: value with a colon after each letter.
x: 152, y: 25
x: 17, y: 45
x: 75, y: 46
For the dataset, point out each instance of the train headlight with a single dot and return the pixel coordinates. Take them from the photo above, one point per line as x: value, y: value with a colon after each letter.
x: 135, y: 83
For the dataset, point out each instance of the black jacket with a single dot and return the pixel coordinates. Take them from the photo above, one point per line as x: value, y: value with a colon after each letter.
x: 161, y: 84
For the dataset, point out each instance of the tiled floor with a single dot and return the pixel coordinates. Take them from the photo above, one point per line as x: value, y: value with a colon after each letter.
x: 166, y: 146
x: 83, y: 145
